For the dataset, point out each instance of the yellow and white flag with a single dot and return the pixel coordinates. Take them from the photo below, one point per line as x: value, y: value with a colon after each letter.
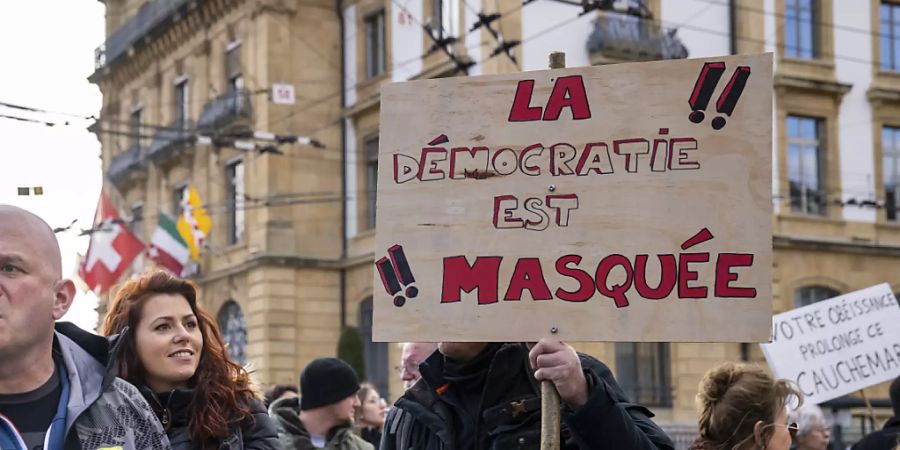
x: 193, y: 224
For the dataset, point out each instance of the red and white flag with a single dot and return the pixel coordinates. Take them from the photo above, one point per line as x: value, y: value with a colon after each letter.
x: 112, y: 249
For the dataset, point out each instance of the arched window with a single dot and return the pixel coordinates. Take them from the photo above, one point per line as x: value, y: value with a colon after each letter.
x: 808, y: 295
x: 234, y: 331
x: 375, y: 354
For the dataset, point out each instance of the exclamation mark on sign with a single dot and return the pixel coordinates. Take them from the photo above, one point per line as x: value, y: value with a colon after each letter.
x: 706, y: 84
x: 703, y: 89
x: 395, y: 274
x: 730, y: 96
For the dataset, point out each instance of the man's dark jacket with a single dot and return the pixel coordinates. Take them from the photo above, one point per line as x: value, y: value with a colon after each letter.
x: 432, y: 416
x: 885, y: 439
x: 293, y: 435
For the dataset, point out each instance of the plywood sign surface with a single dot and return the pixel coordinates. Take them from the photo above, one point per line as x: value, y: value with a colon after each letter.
x: 629, y: 202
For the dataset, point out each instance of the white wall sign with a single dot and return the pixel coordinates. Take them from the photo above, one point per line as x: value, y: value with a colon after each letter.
x: 838, y: 346
x: 283, y: 94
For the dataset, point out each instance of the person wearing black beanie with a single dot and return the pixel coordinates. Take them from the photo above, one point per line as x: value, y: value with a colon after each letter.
x: 322, y: 417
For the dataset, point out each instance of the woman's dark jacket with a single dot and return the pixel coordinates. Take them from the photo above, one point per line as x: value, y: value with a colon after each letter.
x: 174, y: 410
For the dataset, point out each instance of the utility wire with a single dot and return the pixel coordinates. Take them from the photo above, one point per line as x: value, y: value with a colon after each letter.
x: 598, y: 4
x: 531, y: 37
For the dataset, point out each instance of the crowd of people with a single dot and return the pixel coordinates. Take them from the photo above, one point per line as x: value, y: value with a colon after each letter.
x: 159, y: 377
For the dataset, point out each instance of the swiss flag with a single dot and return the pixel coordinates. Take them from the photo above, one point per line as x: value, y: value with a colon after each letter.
x: 112, y: 249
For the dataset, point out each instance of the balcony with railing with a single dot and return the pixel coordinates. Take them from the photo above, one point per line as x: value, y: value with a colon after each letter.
x: 169, y: 142
x: 154, y: 17
x: 227, y: 110
x: 124, y: 165
x: 622, y: 37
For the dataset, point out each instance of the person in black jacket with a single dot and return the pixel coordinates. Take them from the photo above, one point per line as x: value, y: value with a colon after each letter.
x: 486, y: 396
x: 279, y: 391
x: 322, y: 417
x: 888, y: 438
x: 175, y: 355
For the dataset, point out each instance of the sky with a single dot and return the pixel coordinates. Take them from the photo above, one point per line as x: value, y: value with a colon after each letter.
x: 46, y: 55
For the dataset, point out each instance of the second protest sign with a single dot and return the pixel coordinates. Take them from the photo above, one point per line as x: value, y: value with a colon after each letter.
x: 629, y: 202
x: 838, y: 346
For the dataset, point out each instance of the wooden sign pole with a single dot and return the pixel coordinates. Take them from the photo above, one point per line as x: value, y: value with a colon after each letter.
x: 869, y: 408
x: 549, y: 416
x: 549, y: 395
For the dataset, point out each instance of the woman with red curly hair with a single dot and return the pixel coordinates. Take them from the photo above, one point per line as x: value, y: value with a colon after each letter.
x: 172, y: 350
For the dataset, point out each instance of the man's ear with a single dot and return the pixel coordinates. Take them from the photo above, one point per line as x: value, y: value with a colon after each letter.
x: 63, y: 296
x: 757, y: 434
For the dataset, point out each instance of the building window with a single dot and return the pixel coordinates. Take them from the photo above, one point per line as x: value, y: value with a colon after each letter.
x: 800, y: 37
x: 179, y: 195
x: 375, y: 354
x: 446, y: 18
x: 234, y: 331
x: 811, y: 294
x: 234, y: 177
x: 644, y: 372
x: 375, y: 54
x: 890, y: 36
x: 370, y: 147
x: 890, y: 151
x: 805, y: 165
x: 235, y: 75
x: 182, y: 103
x: 136, y: 127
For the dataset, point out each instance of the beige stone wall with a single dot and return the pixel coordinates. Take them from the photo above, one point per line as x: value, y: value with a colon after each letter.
x: 283, y: 272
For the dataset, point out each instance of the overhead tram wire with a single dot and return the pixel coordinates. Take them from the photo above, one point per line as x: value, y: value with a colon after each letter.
x: 536, y: 35
x: 388, y: 72
x: 594, y: 4
x: 485, y: 21
x: 545, y: 31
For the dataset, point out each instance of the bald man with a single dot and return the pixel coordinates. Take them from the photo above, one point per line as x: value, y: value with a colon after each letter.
x: 56, y: 391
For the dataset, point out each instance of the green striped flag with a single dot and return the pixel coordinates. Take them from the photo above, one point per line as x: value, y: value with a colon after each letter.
x: 167, y: 247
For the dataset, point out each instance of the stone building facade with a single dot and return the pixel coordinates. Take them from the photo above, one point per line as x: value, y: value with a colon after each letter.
x: 289, y: 262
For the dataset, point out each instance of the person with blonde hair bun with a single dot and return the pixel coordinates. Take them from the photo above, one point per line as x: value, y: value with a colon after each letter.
x: 742, y: 407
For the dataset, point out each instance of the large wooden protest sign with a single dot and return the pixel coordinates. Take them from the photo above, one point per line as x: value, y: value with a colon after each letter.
x: 629, y: 202
x: 838, y: 346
